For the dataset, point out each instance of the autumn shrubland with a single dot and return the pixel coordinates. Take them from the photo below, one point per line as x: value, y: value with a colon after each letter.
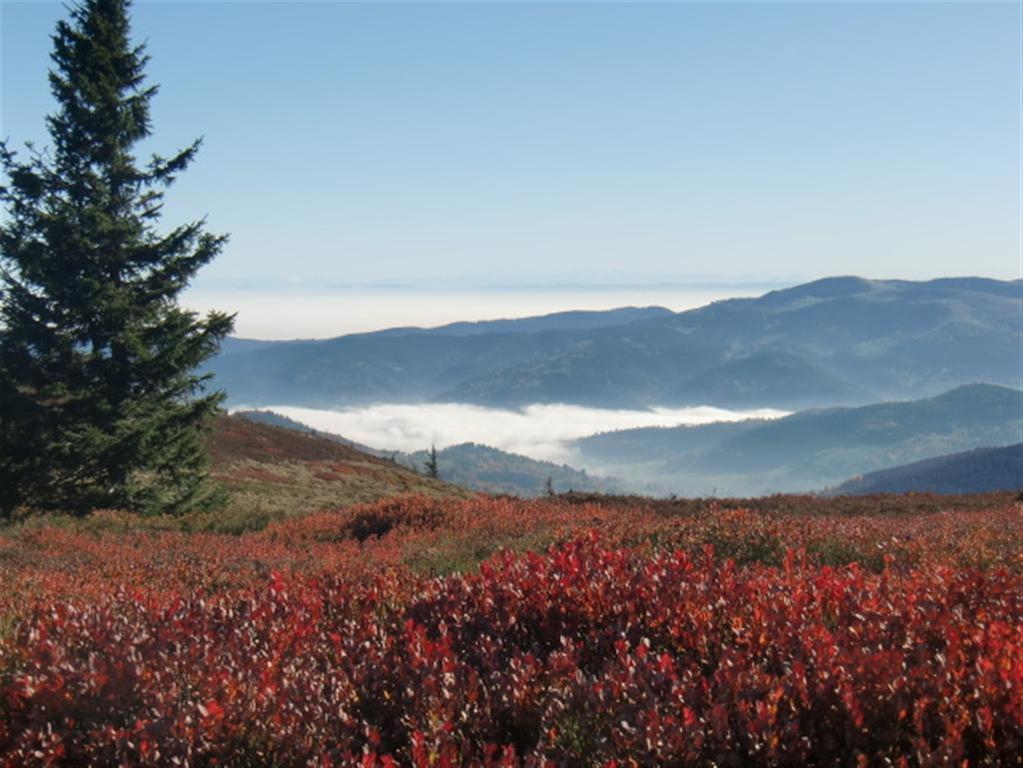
x: 269, y: 474
x: 272, y: 473
x: 424, y: 630
x: 257, y: 598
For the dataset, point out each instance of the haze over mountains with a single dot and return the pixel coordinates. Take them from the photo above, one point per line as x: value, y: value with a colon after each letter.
x: 978, y: 471
x: 836, y: 341
x: 809, y: 450
x: 879, y: 373
x: 469, y: 465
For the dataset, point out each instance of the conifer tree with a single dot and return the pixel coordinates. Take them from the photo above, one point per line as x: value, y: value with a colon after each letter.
x: 431, y: 463
x: 100, y: 402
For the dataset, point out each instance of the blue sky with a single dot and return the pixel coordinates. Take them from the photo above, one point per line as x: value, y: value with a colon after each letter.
x: 511, y: 144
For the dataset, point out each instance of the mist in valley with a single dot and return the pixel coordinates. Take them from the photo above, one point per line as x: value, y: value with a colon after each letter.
x: 543, y: 431
x: 687, y: 451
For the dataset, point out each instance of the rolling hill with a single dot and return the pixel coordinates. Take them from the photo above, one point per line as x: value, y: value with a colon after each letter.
x: 978, y: 471
x: 836, y: 341
x: 272, y: 473
x: 810, y: 449
x: 491, y: 470
x: 476, y: 467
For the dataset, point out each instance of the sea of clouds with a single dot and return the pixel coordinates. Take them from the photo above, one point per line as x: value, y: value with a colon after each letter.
x: 289, y: 314
x: 538, y: 431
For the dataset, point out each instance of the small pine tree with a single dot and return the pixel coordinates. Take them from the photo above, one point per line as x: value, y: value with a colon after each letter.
x: 99, y: 402
x: 430, y: 465
x: 549, y: 487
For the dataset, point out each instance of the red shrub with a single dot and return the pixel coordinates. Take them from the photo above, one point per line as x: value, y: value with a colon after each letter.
x: 727, y: 638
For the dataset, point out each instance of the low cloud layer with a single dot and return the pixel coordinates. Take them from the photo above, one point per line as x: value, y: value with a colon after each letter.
x: 538, y: 431
x: 283, y: 314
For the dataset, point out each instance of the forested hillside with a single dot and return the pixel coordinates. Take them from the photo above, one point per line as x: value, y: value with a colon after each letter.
x: 842, y: 340
x: 976, y: 471
x: 807, y: 450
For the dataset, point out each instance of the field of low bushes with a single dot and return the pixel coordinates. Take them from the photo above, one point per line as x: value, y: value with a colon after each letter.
x: 576, y: 631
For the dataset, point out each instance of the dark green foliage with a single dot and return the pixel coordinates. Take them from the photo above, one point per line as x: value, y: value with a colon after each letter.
x: 99, y: 405
x: 430, y: 465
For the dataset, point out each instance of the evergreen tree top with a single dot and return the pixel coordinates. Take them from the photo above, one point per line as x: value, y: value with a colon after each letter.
x: 99, y: 399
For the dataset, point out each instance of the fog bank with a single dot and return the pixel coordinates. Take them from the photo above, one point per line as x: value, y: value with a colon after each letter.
x: 283, y: 314
x: 537, y: 431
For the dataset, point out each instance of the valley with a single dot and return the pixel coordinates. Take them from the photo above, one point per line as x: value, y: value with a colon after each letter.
x: 511, y: 385
x: 797, y: 390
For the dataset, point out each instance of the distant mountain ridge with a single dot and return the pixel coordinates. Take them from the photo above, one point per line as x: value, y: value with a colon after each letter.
x: 490, y: 470
x: 980, y: 408
x: 978, y: 471
x: 836, y: 341
x: 810, y: 449
x: 572, y: 320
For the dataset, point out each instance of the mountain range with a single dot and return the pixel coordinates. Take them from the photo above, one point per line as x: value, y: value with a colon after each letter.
x: 808, y: 450
x: 835, y: 341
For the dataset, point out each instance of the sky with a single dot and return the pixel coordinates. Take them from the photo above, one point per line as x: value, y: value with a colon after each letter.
x: 362, y: 151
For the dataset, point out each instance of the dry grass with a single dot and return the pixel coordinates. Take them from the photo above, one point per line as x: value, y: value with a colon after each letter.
x: 273, y: 474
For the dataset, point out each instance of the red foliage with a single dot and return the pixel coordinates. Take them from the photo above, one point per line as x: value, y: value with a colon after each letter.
x: 237, y: 439
x: 332, y: 472
x: 633, y: 645
x: 257, y: 473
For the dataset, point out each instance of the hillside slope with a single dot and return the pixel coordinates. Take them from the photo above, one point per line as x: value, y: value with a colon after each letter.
x: 469, y: 465
x: 810, y: 449
x: 973, y: 415
x: 273, y: 473
x: 978, y: 471
x: 490, y: 470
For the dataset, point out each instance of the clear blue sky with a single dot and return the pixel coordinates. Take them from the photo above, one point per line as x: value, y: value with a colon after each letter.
x: 360, y: 143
